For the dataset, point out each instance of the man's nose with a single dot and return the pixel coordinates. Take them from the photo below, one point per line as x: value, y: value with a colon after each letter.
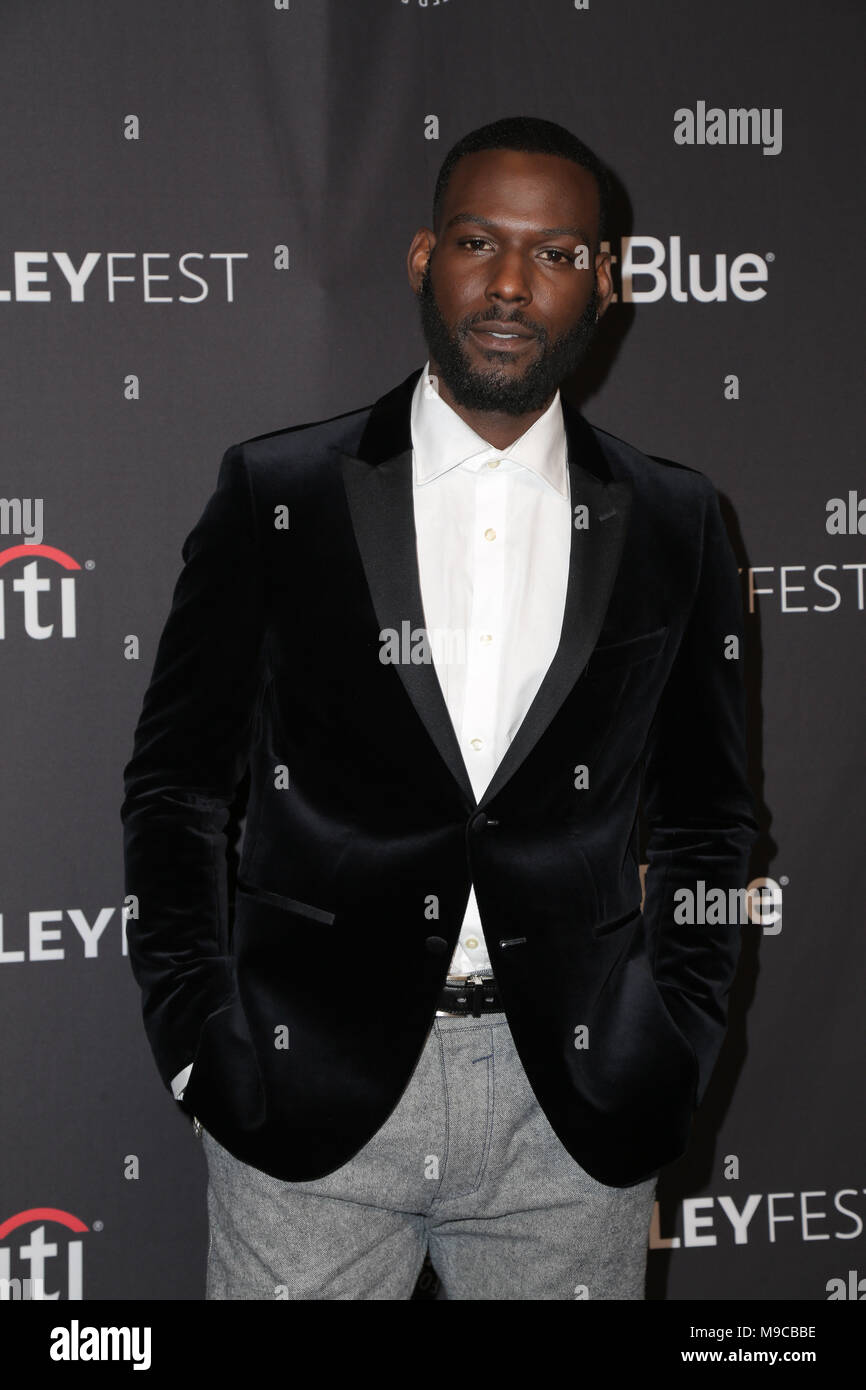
x: 509, y: 279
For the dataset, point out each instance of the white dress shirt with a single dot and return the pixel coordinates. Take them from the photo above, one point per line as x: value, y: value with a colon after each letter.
x: 493, y: 529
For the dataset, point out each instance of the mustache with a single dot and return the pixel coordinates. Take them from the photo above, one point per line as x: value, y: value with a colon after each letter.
x: 425, y: 292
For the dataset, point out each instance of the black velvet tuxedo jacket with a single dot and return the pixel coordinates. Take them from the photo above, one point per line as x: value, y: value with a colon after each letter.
x: 362, y: 833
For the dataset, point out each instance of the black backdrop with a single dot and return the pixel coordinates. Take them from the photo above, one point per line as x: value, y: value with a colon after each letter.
x: 272, y: 161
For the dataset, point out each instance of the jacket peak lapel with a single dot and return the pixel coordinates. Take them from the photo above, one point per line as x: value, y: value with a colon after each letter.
x: 594, y: 560
x: 378, y: 484
x: 383, y: 517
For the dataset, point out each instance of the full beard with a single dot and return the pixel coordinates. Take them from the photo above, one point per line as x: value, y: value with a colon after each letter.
x: 497, y: 388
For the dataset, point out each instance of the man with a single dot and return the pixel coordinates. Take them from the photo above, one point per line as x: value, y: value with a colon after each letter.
x: 452, y: 636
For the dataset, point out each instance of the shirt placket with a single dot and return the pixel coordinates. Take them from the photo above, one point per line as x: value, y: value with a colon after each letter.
x: 481, y: 731
x: 481, y: 707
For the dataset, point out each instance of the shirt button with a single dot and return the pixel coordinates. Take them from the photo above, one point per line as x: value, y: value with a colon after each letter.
x: 493, y: 463
x: 471, y: 942
x: 486, y: 638
x: 476, y: 743
x: 490, y: 534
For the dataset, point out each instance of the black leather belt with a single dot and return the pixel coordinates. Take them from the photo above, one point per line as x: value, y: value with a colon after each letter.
x: 477, y: 995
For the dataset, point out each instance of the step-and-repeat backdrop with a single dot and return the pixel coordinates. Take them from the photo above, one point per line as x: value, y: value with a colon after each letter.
x: 206, y: 214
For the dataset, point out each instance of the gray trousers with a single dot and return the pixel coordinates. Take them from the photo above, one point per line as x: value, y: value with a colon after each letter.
x: 466, y: 1164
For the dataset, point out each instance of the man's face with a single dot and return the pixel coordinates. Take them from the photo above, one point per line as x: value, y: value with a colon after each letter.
x: 508, y: 259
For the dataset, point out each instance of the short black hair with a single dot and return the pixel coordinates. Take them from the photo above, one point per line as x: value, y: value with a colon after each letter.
x: 536, y: 136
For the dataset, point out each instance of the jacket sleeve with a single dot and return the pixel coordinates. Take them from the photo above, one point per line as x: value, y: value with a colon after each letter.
x: 698, y: 805
x: 189, y: 755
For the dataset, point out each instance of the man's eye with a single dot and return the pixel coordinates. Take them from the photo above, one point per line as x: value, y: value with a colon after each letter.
x: 476, y: 242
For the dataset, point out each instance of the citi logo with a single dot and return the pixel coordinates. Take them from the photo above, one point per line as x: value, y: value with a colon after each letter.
x: 34, y: 1260
x: 737, y: 126
x: 846, y: 516
x: 39, y: 597
x: 760, y: 902
x: 855, y: 1288
x: 646, y: 270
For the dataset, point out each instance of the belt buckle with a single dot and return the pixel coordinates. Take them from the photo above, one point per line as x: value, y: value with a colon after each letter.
x: 477, y: 982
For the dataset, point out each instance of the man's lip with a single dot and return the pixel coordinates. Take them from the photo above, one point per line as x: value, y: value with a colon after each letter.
x: 497, y: 326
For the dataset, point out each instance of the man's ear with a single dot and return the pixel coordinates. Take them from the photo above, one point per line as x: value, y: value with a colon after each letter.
x: 418, y: 259
x: 603, y: 280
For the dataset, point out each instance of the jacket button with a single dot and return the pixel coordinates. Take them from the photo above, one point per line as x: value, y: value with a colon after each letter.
x: 478, y: 823
x: 436, y: 945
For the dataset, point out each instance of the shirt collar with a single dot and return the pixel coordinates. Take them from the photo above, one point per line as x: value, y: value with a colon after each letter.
x: 441, y: 440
